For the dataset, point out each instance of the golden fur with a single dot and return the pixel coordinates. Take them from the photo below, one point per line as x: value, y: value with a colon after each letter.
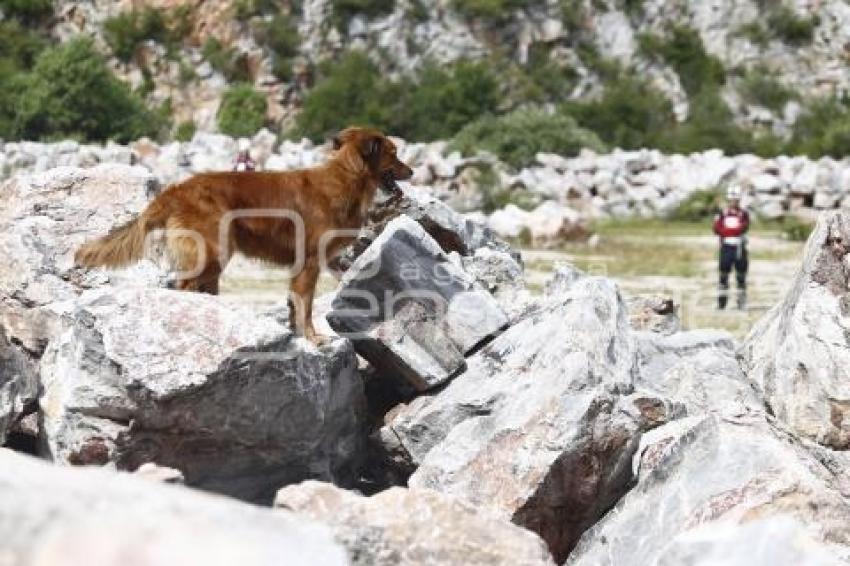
x: 333, y: 196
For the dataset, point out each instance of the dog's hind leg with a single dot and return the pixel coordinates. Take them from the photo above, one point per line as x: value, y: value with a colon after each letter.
x: 195, y: 256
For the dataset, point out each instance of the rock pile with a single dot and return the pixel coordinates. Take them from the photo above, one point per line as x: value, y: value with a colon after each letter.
x: 577, y: 426
x: 558, y: 195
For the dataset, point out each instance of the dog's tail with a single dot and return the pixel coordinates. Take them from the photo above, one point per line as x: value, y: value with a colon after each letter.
x: 122, y: 245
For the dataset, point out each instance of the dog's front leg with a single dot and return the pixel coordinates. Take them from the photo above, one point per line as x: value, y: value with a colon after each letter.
x: 301, y: 301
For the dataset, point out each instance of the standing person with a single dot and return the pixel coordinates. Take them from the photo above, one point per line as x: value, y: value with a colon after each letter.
x: 731, y: 225
x: 243, y: 158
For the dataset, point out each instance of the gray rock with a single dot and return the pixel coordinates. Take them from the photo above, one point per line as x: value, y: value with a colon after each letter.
x: 699, y: 369
x: 502, y: 276
x: 451, y: 230
x: 409, y: 310
x: 399, y: 527
x: 655, y: 313
x: 798, y: 352
x: 54, y: 515
x: 44, y: 218
x: 541, y: 426
x: 181, y: 380
x: 699, y: 477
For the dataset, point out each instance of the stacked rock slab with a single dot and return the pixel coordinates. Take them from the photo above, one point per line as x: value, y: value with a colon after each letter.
x: 799, y: 353
x: 409, y: 310
x: 409, y: 527
x: 45, y: 217
x: 716, y: 490
x: 231, y: 399
x: 542, y: 425
x: 54, y: 515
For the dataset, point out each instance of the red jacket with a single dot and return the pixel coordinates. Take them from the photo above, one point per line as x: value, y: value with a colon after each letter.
x: 731, y: 223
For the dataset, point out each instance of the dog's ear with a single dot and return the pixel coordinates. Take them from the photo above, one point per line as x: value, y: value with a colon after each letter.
x: 370, y: 149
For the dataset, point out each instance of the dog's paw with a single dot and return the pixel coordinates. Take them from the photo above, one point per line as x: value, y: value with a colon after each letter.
x: 317, y: 339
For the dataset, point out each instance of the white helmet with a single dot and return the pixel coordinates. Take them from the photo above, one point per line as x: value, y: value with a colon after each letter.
x: 733, y: 192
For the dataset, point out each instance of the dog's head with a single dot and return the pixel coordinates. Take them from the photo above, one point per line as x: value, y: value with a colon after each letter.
x: 378, y: 153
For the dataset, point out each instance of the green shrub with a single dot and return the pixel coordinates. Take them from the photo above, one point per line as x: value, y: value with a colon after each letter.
x: 280, y: 36
x: 759, y: 87
x: 630, y: 114
x: 242, y: 111
x: 343, y: 10
x: 124, y: 32
x: 72, y: 93
x: 516, y: 137
x: 494, y: 11
x: 683, y: 50
x: 441, y: 101
x: 755, y: 32
x: 19, y: 47
x: 698, y: 206
x: 574, y: 15
x: 547, y: 80
x: 226, y: 61
x: 184, y: 131
x: 29, y: 12
x: 436, y: 104
x: 789, y: 27
x: 351, y: 91
x: 823, y: 128
x: 710, y: 125
x: 795, y: 229
x: 246, y: 9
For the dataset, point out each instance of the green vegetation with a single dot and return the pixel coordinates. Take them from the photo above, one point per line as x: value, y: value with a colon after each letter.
x: 184, y: 131
x: 280, y: 36
x: 126, y: 31
x: 517, y: 136
x: 226, y: 61
x: 630, y: 114
x: 434, y: 105
x: 27, y: 12
x: 242, y: 111
x: 683, y: 50
x: 789, y: 27
x: 755, y: 32
x: 795, y: 229
x: 823, y: 129
x: 697, y: 207
x: 343, y: 10
x: 72, y: 93
x: 493, y: 11
x: 759, y: 87
x: 246, y: 9
x: 442, y: 100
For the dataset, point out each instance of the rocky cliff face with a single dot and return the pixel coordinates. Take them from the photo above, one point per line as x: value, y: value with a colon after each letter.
x: 804, y: 44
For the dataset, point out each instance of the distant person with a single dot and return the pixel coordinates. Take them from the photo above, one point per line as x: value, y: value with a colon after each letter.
x: 243, y: 159
x: 731, y: 225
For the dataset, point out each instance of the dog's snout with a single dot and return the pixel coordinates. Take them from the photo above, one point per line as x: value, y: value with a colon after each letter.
x: 403, y: 171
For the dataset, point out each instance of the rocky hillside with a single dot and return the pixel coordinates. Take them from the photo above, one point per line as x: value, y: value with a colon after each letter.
x: 759, y: 64
x: 463, y: 421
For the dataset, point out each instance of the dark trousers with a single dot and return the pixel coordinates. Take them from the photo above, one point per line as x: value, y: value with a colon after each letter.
x: 733, y: 257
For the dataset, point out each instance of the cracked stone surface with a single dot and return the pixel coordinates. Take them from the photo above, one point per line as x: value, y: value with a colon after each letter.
x: 44, y: 218
x: 799, y: 352
x: 60, y: 515
x: 705, y: 481
x: 409, y: 527
x: 542, y: 425
x: 233, y: 400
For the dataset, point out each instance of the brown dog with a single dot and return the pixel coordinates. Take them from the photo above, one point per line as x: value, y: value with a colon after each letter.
x: 266, y: 215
